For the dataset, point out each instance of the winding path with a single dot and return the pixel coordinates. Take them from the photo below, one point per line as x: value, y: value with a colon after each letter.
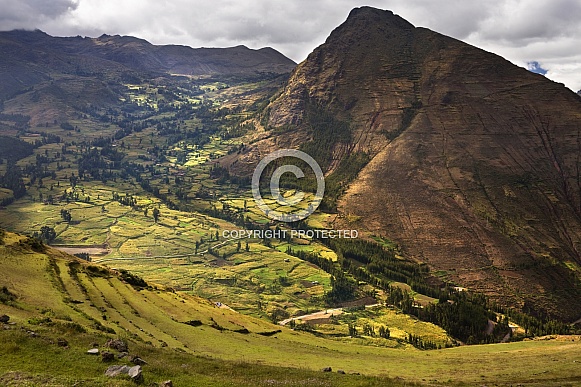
x: 327, y: 313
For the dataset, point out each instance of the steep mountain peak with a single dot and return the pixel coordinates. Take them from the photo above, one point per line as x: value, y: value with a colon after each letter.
x: 370, y: 24
x: 370, y: 15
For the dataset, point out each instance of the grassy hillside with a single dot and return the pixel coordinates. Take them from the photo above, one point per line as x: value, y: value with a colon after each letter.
x: 51, y: 296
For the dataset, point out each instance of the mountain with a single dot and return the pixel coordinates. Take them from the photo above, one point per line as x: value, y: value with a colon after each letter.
x: 30, y: 57
x: 464, y: 160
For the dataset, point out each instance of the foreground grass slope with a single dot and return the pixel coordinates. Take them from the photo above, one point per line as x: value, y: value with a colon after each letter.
x: 54, y: 296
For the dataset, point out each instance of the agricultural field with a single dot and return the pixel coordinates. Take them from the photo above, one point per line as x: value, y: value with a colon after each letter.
x: 183, y: 249
x: 140, y: 190
x: 85, y: 304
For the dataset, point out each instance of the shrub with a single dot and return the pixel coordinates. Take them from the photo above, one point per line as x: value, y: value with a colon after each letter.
x: 6, y: 296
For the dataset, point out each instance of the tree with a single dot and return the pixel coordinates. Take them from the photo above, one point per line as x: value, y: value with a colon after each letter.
x: 277, y: 314
x: 155, y: 214
x: 342, y: 288
x: 352, y: 330
x: 238, y: 246
x: 384, y: 332
x: 47, y: 234
x: 12, y: 180
x: 247, y: 247
x: 66, y: 215
x: 368, y: 330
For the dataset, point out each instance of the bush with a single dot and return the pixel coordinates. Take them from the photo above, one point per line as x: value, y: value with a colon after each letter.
x: 6, y: 296
x: 132, y: 279
x: 70, y: 327
x: 40, y: 321
x: 96, y: 271
x: 34, y: 244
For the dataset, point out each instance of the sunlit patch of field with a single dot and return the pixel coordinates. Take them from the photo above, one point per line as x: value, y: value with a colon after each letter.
x: 244, y: 280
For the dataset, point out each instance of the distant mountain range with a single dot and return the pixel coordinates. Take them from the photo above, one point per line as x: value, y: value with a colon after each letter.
x: 30, y: 57
x: 468, y: 162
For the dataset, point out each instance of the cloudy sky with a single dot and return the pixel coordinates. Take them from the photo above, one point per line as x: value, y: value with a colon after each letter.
x: 545, y: 31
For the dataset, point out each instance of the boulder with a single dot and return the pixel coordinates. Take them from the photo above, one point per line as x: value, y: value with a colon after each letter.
x: 4, y: 318
x: 327, y: 369
x: 137, y: 360
x: 341, y: 372
x: 93, y: 351
x: 135, y: 373
x: 167, y: 383
x: 107, y: 357
x: 116, y: 370
x: 62, y: 342
x: 117, y: 344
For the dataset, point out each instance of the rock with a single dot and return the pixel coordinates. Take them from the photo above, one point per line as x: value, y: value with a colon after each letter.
x: 95, y: 345
x: 32, y: 334
x: 4, y: 318
x: 327, y: 369
x: 341, y: 372
x: 137, y: 360
x: 94, y: 351
x: 167, y: 383
x: 122, y: 355
x: 116, y: 370
x: 62, y: 342
x: 135, y: 373
x: 117, y: 344
x: 107, y: 357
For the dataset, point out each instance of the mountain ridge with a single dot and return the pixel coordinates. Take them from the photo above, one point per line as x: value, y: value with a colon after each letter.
x: 470, y: 171
x: 30, y: 57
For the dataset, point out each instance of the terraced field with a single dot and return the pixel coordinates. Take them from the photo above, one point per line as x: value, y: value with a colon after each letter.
x: 57, y: 296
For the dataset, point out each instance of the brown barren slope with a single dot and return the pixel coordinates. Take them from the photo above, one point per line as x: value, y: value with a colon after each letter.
x: 475, y: 161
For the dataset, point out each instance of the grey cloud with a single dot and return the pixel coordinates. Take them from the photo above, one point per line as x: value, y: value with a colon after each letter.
x: 547, y: 31
x: 30, y: 13
x: 531, y: 21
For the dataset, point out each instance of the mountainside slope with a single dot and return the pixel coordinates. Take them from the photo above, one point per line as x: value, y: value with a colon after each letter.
x: 474, y: 161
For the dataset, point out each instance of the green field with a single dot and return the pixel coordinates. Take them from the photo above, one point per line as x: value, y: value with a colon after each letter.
x: 75, y: 298
x: 234, y: 290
